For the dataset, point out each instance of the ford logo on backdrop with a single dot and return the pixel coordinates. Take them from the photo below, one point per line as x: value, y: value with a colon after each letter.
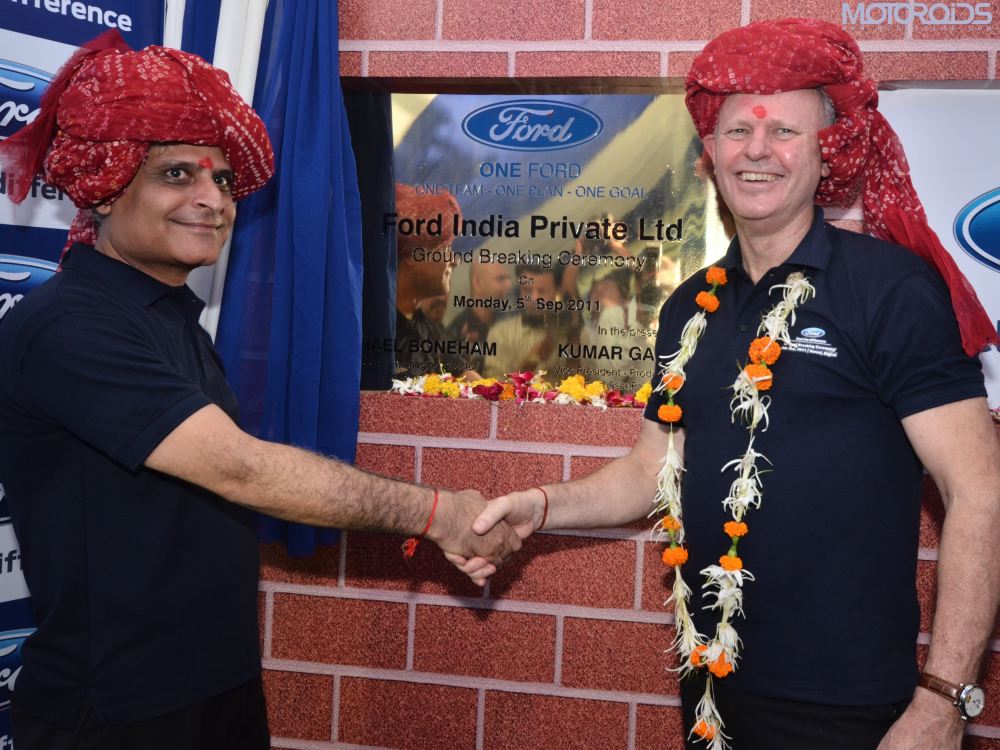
x: 21, y: 89
x: 532, y: 125
x: 977, y: 229
x: 11, y: 642
x: 18, y: 276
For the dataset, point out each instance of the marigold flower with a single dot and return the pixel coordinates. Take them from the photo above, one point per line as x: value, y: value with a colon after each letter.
x: 672, y: 381
x: 451, y: 389
x: 720, y: 667
x: 669, y: 413
x: 708, y: 301
x: 765, y: 349
x: 716, y: 275
x: 595, y: 389
x: 735, y: 528
x: 507, y: 394
x: 731, y: 563
x: 675, y: 556
x: 696, y: 655
x: 760, y: 376
x: 669, y: 523
x: 642, y: 395
x: 705, y: 731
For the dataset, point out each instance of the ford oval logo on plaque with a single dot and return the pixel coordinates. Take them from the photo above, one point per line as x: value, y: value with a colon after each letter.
x: 532, y: 125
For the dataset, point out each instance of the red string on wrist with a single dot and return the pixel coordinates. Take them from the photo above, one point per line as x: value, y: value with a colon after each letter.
x: 545, y: 512
x: 410, y: 545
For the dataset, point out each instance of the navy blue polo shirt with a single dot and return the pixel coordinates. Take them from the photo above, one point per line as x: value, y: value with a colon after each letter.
x: 144, y: 587
x: 832, y: 616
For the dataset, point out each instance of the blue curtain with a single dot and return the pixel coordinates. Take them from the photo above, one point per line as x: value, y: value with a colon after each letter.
x: 201, y: 23
x: 290, y: 326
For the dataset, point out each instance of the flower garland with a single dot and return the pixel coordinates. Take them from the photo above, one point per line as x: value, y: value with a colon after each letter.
x: 523, y: 387
x: 723, y: 582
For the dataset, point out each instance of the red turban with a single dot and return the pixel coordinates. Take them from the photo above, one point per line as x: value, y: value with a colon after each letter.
x: 413, y: 205
x: 108, y: 103
x: 861, y: 148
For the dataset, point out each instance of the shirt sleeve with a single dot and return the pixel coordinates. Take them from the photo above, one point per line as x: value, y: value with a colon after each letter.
x: 916, y: 350
x: 99, y: 378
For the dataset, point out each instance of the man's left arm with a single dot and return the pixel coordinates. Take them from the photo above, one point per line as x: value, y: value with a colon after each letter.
x: 958, y: 446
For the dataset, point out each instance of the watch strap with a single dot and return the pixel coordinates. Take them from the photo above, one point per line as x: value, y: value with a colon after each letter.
x: 935, y: 684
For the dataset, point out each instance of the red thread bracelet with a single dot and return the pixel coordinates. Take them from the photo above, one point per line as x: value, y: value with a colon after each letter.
x: 410, y: 545
x: 545, y: 513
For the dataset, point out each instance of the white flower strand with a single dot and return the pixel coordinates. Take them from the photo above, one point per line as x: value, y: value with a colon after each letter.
x: 723, y: 589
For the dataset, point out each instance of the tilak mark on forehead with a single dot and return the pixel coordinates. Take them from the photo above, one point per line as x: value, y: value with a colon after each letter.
x: 759, y: 112
x: 206, y: 163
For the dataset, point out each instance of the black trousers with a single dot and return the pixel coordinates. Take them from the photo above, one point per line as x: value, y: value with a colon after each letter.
x: 236, y: 720
x: 754, y: 722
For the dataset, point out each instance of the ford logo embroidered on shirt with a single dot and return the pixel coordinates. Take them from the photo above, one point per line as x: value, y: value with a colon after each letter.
x: 977, y: 229
x: 813, y: 333
x: 21, y: 89
x: 532, y: 125
x: 11, y: 643
x: 18, y: 276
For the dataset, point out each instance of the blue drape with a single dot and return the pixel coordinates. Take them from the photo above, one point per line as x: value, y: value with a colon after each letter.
x: 290, y: 326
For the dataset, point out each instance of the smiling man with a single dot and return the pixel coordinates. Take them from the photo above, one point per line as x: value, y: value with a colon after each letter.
x: 130, y: 485
x: 813, y: 644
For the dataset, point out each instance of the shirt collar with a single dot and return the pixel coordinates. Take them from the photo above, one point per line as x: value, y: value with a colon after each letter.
x: 143, y: 288
x: 812, y: 252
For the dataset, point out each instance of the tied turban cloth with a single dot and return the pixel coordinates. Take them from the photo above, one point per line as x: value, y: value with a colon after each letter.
x: 109, y: 102
x: 861, y: 149
x: 425, y: 206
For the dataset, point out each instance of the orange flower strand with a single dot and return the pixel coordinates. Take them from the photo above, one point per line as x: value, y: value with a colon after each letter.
x: 672, y: 381
x: 697, y: 654
x: 731, y: 563
x: 716, y: 275
x: 669, y: 523
x: 705, y: 731
x: 708, y: 301
x: 507, y: 394
x: 765, y: 349
x: 675, y: 556
x: 760, y: 376
x: 735, y: 528
x: 720, y: 667
x: 669, y: 413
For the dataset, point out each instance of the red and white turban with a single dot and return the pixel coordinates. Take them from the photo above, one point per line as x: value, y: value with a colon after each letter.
x: 861, y: 149
x: 109, y: 102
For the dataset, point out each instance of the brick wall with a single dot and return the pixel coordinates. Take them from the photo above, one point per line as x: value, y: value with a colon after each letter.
x: 563, y: 649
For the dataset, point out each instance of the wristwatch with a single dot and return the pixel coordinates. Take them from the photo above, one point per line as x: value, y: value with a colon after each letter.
x: 968, y: 698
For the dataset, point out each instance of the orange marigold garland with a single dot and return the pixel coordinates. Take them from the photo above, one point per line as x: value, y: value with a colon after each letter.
x: 723, y: 582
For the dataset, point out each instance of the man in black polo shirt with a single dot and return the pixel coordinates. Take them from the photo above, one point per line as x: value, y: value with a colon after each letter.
x: 872, y: 382
x: 130, y: 485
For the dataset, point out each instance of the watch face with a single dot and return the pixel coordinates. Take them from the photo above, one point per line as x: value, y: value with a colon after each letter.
x: 973, y: 700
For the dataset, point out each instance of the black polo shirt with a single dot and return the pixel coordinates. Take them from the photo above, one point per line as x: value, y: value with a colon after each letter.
x: 144, y: 587
x: 832, y: 616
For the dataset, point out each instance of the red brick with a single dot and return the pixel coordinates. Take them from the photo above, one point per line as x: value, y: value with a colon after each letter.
x: 492, y: 473
x: 393, y: 461
x: 958, y: 33
x: 679, y: 63
x: 990, y: 680
x: 350, y: 63
x: 414, y: 415
x: 375, y: 561
x: 387, y: 19
x: 319, y: 569
x: 339, y: 631
x: 261, y: 606
x: 515, y: 721
x: 406, y: 715
x: 931, y: 515
x: 299, y: 706
x: 980, y: 743
x: 657, y: 579
x: 584, y: 466
x: 618, y: 656
x: 851, y: 225
x: 930, y: 66
x: 541, y: 64
x: 649, y: 19
x: 570, y: 570
x: 501, y: 645
x: 438, y: 64
x: 578, y: 425
x: 658, y: 728
x: 926, y: 592
x: 824, y: 10
x: 520, y: 20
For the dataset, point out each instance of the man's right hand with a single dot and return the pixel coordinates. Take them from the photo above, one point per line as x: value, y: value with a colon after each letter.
x: 452, y: 532
x: 520, y: 511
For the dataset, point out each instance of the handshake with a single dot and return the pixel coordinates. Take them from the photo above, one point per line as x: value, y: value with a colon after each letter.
x: 477, y: 536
